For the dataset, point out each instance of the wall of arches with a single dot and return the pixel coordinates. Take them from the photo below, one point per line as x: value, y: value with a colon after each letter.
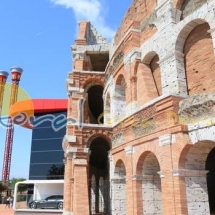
x: 152, y: 174
x: 179, y: 58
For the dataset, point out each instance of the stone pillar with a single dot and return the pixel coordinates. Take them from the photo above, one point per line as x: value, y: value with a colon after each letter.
x: 132, y: 106
x: 196, y: 191
x: 68, y: 185
x: 131, y: 62
x: 129, y: 183
x: 81, y: 191
x: 167, y: 183
x: 117, y: 189
x: 138, y: 196
x: 118, y: 203
x: 173, y: 73
x: 180, y: 192
x: 76, y: 192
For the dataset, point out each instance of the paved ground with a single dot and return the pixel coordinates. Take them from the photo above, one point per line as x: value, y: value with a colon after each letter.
x: 7, y: 211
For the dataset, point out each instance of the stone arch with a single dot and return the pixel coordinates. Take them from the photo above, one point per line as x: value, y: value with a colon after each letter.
x: 194, y: 60
x: 89, y: 82
x: 99, y: 167
x: 89, y: 137
x: 199, y: 60
x: 119, y: 99
x: 185, y: 29
x: 193, y: 161
x: 150, y: 200
x: 152, y: 74
x: 118, y: 187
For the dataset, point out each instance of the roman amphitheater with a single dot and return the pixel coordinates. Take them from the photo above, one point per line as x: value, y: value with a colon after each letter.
x: 144, y: 106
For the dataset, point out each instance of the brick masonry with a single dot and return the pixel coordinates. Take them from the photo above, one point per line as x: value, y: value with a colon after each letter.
x: 158, y: 112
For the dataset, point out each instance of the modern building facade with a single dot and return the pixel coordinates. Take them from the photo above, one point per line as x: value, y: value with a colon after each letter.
x: 144, y: 141
x: 47, y: 118
x: 46, y: 161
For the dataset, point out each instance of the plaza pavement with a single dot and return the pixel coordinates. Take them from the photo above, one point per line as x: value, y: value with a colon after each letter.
x: 7, y: 211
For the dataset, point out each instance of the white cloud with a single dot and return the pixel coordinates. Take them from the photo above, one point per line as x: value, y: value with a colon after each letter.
x: 90, y: 10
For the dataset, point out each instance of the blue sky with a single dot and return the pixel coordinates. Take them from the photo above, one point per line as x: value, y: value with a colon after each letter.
x: 36, y: 35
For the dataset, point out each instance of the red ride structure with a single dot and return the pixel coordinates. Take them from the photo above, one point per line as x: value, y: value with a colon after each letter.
x: 3, y: 78
x: 16, y: 73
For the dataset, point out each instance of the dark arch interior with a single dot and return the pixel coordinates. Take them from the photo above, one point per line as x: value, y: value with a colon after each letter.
x: 210, y: 166
x: 99, y: 168
x: 99, y: 153
x: 95, y: 102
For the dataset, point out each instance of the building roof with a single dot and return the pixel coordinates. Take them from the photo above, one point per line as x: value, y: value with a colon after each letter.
x: 37, y: 106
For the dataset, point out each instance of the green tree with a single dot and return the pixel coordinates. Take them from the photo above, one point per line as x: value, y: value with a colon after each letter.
x: 3, y: 187
x: 21, y: 187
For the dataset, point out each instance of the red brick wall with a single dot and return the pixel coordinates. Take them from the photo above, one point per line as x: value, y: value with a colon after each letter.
x: 138, y: 11
x: 199, y: 61
x: 146, y: 89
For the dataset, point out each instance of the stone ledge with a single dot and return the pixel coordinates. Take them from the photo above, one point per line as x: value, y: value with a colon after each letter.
x: 198, y: 107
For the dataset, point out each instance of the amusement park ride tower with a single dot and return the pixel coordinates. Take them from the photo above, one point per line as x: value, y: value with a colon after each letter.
x: 3, y: 78
x: 16, y: 73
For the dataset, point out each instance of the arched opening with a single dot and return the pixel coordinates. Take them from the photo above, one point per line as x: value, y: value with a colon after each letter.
x: 120, y: 99
x: 99, y: 169
x: 199, y: 173
x: 95, y: 104
x: 107, y: 112
x: 146, y: 88
x: 151, y: 185
x: 210, y: 166
x: 118, y: 188
x: 199, y: 60
x: 155, y: 68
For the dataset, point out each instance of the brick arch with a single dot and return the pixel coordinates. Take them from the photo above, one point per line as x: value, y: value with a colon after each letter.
x: 185, y: 31
x: 148, y: 57
x: 119, y: 162
x: 90, y: 135
x: 183, y: 155
x: 193, y: 168
x: 120, y: 169
x: 142, y: 159
x: 188, y: 157
x: 120, y: 78
x: 199, y: 64
x: 199, y: 60
x: 152, y: 75
x: 91, y: 82
x: 147, y: 170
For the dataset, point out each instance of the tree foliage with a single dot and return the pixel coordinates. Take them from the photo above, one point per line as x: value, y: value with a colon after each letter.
x: 3, y: 186
x: 21, y: 187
